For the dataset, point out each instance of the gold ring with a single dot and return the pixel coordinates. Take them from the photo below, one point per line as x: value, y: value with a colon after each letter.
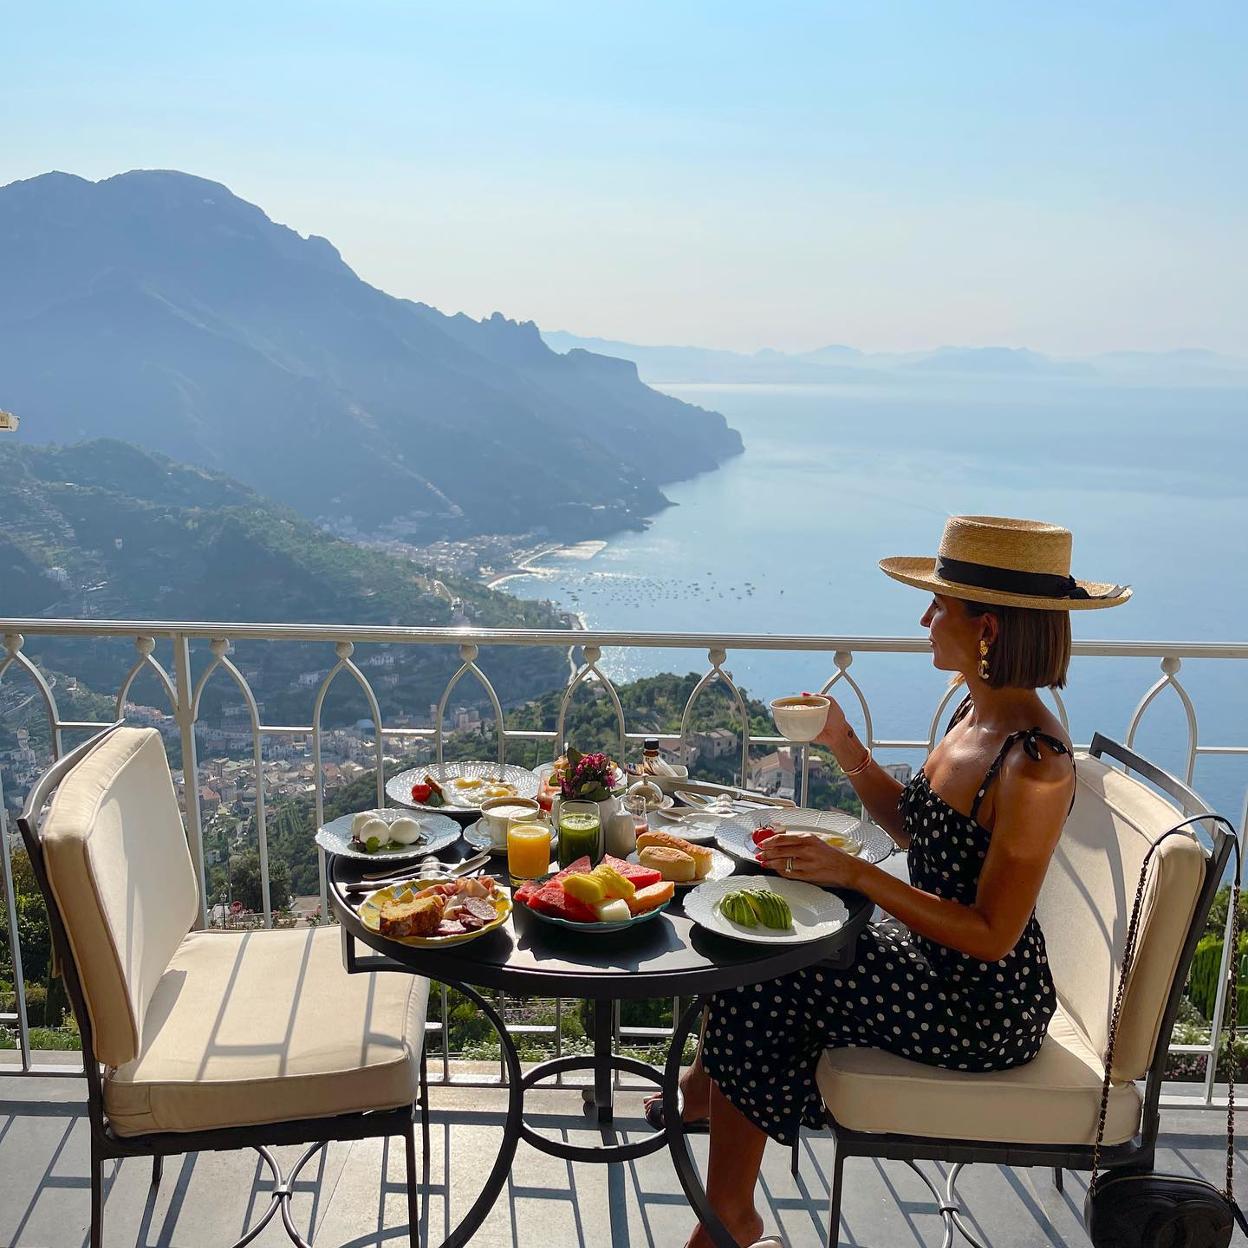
x: 788, y: 864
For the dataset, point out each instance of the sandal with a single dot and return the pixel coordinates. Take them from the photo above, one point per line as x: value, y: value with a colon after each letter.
x: 655, y: 1117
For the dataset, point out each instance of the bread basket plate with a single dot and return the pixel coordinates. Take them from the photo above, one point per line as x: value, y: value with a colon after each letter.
x: 370, y: 915
x: 722, y: 866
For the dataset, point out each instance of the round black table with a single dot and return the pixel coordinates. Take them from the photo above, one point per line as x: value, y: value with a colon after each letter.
x: 666, y: 957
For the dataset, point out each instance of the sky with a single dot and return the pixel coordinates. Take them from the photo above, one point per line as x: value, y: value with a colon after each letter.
x: 1067, y: 177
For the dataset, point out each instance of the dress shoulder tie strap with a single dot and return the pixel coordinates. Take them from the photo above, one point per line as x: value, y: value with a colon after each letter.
x: 962, y: 708
x: 1031, y: 738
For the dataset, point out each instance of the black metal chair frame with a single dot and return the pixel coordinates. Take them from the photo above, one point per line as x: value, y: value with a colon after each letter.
x: 1138, y: 1152
x: 107, y: 1146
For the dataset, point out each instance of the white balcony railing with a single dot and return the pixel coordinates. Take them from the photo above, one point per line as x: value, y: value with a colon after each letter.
x: 210, y: 647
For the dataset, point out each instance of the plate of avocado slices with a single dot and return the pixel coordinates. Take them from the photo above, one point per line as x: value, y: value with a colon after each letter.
x: 766, y: 910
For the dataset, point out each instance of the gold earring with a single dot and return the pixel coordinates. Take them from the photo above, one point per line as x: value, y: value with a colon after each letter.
x: 984, y: 673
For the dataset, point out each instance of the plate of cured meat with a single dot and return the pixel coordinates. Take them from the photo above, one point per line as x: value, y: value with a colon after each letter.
x: 430, y: 915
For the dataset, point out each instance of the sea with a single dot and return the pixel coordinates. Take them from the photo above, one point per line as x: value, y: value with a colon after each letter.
x: 784, y: 539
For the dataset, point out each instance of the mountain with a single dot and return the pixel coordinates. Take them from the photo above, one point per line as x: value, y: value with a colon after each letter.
x: 105, y: 529
x: 999, y: 360
x: 160, y: 308
x: 658, y: 364
x: 833, y: 364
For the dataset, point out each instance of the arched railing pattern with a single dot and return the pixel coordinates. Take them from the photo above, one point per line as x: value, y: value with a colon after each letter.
x: 219, y: 647
x: 717, y: 657
x: 344, y: 650
x: 145, y: 662
x: 1169, y: 679
x: 14, y: 657
x: 468, y: 654
x: 590, y: 671
x: 185, y: 695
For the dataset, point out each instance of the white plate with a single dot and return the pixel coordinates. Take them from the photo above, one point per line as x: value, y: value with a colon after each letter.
x: 460, y: 801
x: 721, y: 868
x: 439, y: 832
x: 734, y: 835
x: 694, y: 825
x: 816, y: 913
x: 717, y: 804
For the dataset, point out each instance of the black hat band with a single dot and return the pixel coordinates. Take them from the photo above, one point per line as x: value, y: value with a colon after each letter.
x: 1009, y: 580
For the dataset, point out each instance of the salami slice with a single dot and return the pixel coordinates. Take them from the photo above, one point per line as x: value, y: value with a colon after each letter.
x: 479, y: 908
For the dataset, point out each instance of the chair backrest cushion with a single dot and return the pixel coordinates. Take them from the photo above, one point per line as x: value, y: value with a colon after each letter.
x: 121, y: 873
x: 1085, y: 906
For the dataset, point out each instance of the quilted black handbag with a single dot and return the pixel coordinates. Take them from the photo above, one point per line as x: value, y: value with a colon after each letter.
x: 1142, y: 1209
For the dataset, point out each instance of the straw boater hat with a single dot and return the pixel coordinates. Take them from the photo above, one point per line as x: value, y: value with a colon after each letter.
x: 1008, y: 563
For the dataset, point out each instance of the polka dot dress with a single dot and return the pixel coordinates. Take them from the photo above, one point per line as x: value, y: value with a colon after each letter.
x: 904, y: 993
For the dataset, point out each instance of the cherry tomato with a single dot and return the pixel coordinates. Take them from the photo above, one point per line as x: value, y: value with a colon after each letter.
x: 421, y: 792
x: 765, y: 833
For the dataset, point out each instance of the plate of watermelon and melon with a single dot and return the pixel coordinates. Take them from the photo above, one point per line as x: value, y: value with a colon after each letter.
x: 607, y: 898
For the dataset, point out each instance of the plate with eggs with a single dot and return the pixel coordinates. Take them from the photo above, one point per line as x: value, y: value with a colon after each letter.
x: 743, y: 834
x: 459, y: 788
x: 388, y: 834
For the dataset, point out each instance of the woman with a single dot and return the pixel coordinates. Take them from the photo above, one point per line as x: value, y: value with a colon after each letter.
x: 964, y: 984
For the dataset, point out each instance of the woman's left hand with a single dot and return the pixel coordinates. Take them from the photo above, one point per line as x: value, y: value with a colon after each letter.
x: 805, y: 856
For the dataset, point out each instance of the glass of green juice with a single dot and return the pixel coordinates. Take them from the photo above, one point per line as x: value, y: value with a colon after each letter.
x: 580, y: 832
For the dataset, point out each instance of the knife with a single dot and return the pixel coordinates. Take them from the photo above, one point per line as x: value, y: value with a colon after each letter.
x: 430, y: 869
x: 669, y: 784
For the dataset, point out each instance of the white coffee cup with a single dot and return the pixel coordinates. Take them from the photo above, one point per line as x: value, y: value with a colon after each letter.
x: 801, y: 717
x: 498, y: 812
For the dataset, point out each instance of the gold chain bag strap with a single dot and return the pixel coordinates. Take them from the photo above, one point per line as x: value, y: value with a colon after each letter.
x: 1143, y: 1209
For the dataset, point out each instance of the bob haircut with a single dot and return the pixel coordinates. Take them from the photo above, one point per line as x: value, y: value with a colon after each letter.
x: 1032, y: 649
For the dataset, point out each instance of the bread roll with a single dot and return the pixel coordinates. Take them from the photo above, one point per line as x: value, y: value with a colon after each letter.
x: 701, y: 855
x: 671, y: 864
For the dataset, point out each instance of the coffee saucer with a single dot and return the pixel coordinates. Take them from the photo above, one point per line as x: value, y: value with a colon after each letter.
x: 478, y: 836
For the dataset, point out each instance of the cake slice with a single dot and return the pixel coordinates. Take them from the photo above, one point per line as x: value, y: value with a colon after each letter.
x: 418, y: 916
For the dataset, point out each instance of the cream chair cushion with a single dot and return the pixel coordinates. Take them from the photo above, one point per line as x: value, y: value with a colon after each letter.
x: 262, y: 1027
x: 121, y: 872
x: 1085, y: 906
x: 1054, y: 1099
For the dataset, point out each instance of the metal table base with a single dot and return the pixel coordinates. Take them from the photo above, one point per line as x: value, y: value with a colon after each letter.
x: 604, y: 1063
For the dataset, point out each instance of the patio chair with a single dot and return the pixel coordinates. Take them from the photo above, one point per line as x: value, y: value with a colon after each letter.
x: 1045, y: 1113
x: 199, y: 1040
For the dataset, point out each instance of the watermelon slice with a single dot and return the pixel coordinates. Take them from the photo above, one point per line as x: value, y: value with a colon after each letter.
x: 525, y: 892
x: 581, y: 865
x: 551, y: 899
x: 642, y: 877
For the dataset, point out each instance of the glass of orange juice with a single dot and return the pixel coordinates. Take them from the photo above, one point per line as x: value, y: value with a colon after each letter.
x: 528, y: 849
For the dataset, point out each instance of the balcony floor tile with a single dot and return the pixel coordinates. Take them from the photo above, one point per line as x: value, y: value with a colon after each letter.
x: 207, y: 1199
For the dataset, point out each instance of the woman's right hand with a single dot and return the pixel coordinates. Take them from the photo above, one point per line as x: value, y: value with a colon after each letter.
x: 835, y: 728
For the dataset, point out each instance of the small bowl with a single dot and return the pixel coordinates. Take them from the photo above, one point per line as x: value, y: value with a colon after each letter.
x: 801, y: 717
x: 496, y: 821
